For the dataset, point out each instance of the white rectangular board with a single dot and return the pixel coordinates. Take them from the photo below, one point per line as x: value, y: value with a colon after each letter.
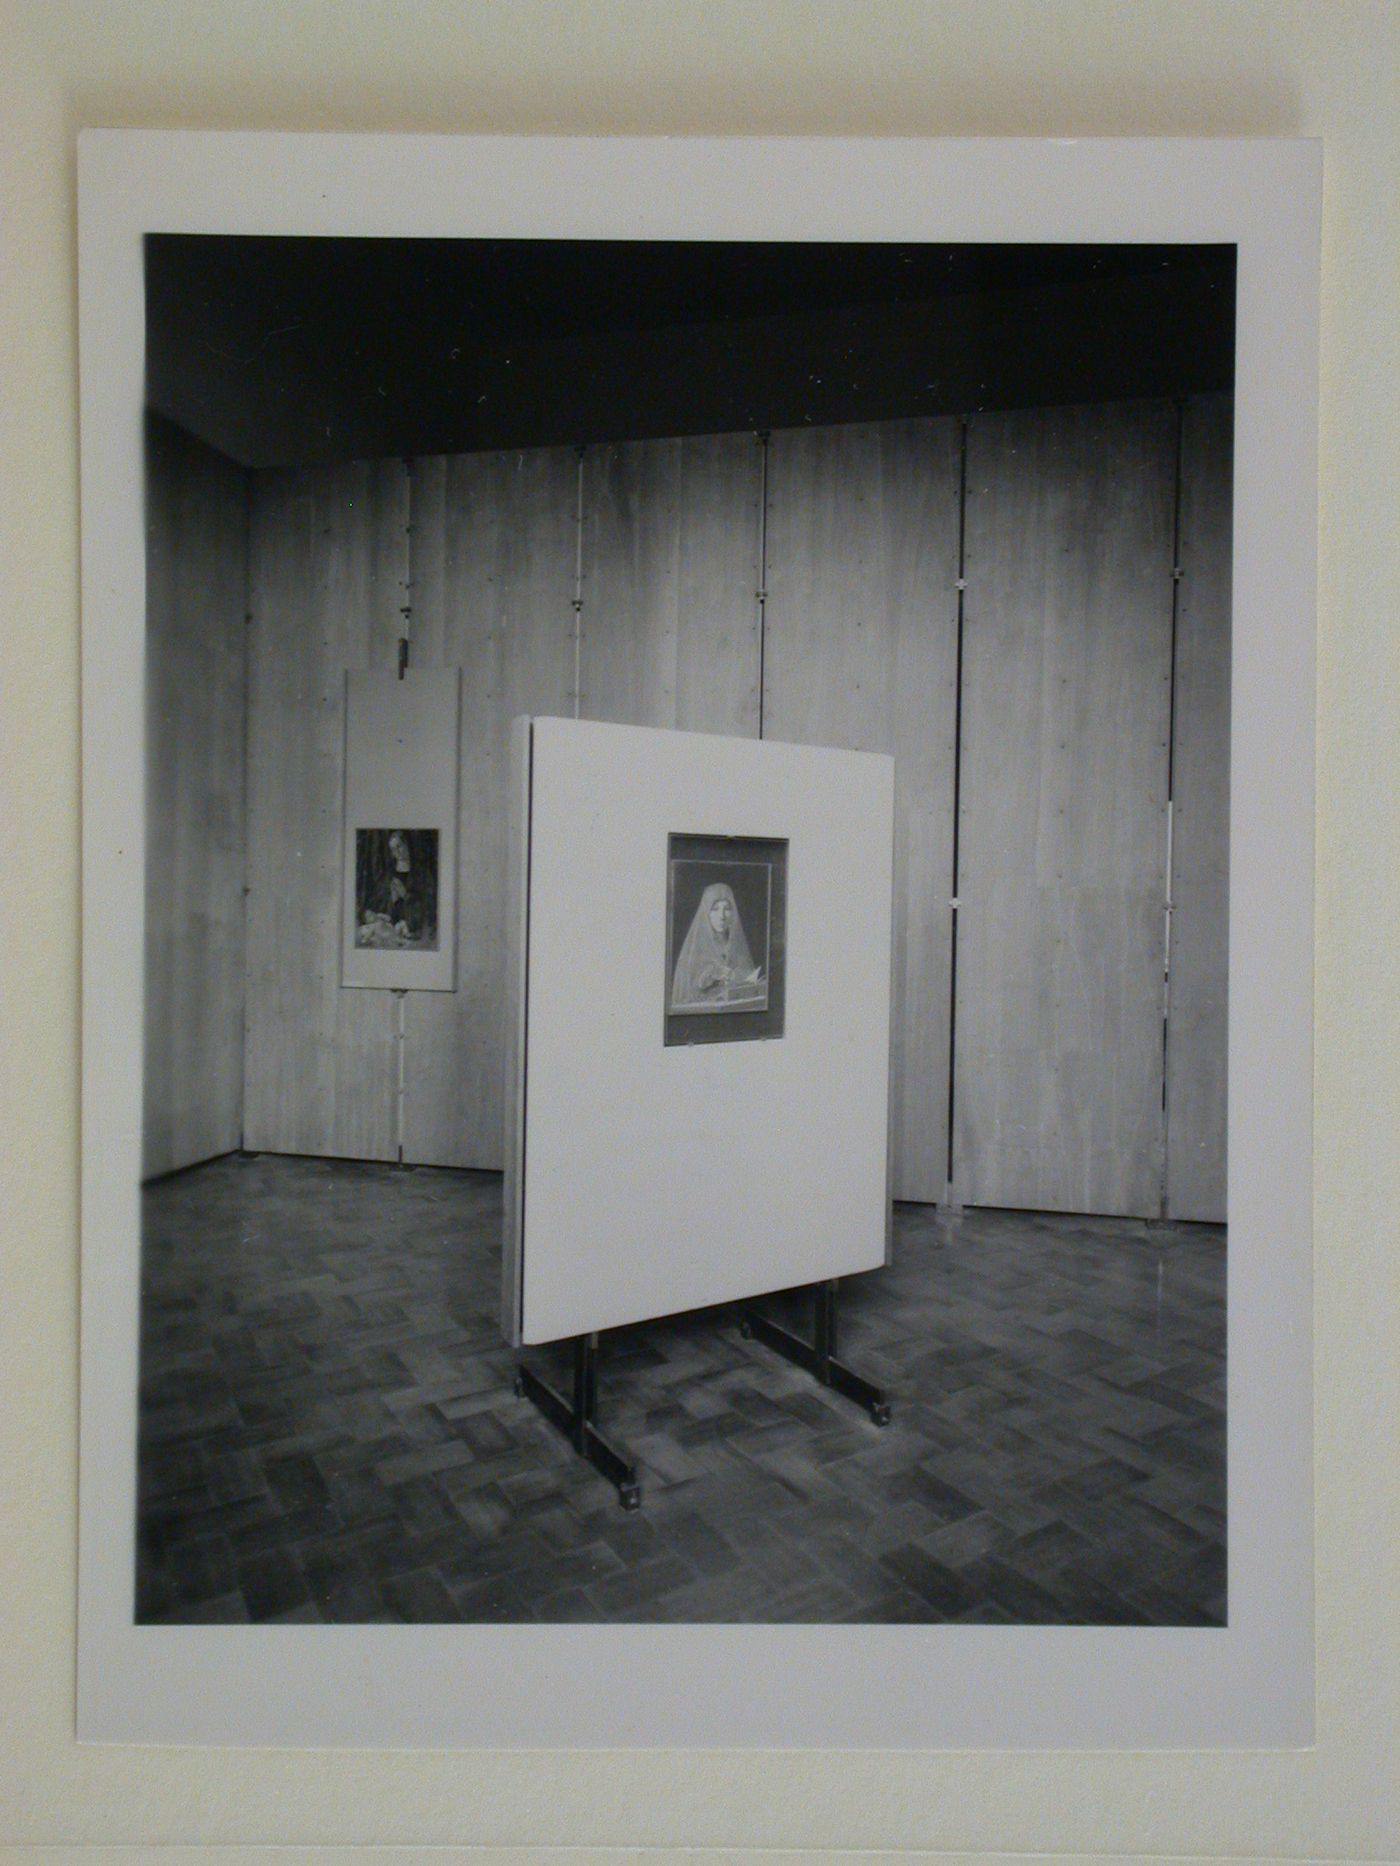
x: 656, y: 1178
x: 401, y: 760
x: 1178, y: 1690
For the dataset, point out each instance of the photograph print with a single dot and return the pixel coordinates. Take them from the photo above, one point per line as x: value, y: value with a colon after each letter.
x: 396, y: 874
x: 726, y: 937
x: 968, y: 506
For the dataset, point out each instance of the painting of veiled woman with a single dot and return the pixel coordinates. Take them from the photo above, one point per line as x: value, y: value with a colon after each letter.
x: 715, y: 968
x: 726, y: 938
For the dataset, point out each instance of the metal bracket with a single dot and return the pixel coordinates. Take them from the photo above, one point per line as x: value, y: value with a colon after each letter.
x: 577, y: 1420
x: 818, y: 1357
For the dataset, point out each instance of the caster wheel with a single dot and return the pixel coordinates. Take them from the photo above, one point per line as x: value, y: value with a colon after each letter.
x: 630, y: 1496
x: 881, y: 1413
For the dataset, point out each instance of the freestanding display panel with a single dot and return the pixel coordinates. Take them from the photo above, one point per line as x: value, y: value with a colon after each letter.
x: 700, y: 1026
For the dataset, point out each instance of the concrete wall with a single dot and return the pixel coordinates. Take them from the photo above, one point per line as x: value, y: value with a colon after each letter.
x: 995, y: 606
x: 196, y: 567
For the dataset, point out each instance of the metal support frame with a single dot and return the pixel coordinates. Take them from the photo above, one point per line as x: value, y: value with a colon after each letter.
x: 818, y: 1357
x: 577, y: 1421
x: 577, y: 1418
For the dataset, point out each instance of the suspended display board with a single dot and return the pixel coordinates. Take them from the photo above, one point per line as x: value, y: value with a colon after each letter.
x: 399, y: 883
x: 700, y: 1026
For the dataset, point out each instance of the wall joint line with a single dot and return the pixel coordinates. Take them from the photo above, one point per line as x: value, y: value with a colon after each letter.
x: 955, y: 891
x: 1168, y: 852
x: 406, y: 607
x: 761, y: 593
x: 577, y: 604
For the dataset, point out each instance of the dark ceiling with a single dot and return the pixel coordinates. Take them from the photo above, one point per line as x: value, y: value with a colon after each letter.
x: 281, y: 351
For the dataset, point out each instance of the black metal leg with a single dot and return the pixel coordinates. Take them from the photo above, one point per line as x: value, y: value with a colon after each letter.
x: 577, y: 1421
x: 826, y: 1322
x: 584, y: 1377
x: 818, y: 1357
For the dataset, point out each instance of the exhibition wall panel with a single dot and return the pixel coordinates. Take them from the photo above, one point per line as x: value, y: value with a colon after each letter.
x: 656, y: 1176
x: 327, y: 585
x: 196, y: 572
x: 493, y: 558
x: 669, y: 625
x: 1065, y: 720
x: 860, y: 650
x: 1196, y: 1020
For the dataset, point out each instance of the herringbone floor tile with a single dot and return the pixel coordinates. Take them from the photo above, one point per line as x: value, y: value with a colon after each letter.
x: 329, y: 1429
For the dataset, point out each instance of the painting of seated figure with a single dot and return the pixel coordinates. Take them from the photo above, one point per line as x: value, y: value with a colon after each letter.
x: 715, y: 970
x: 396, y: 889
x: 726, y: 938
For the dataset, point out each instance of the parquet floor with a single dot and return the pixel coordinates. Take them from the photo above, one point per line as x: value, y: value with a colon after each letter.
x: 329, y: 1429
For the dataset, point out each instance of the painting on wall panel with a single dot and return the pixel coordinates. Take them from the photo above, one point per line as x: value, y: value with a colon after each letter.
x: 726, y: 938
x: 400, y: 847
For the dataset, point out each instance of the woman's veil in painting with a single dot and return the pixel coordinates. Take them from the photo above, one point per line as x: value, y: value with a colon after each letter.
x: 712, y: 973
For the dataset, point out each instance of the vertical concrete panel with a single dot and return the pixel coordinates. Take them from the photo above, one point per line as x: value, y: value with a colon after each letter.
x: 494, y: 540
x: 196, y: 569
x: 329, y: 573
x: 1066, y: 700
x: 670, y: 584
x: 1197, y: 1004
x: 861, y: 651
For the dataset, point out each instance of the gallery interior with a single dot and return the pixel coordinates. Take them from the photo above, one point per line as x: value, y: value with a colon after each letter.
x: 969, y: 507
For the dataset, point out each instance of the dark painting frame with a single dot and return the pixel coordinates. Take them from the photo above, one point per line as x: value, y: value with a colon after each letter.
x: 754, y: 871
x: 409, y: 902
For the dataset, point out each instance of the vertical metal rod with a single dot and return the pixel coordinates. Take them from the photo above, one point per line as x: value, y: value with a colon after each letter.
x: 399, y: 1043
x: 578, y: 583
x: 591, y: 1391
x: 250, y: 644
x: 581, y: 1379
x: 1176, y: 596
x: 406, y: 583
x: 1167, y: 932
x: 957, y: 797
x: 825, y: 1332
x: 762, y: 573
x: 1163, y: 1199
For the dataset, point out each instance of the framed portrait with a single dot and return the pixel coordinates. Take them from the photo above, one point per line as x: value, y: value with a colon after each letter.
x: 726, y: 938
x: 396, y: 884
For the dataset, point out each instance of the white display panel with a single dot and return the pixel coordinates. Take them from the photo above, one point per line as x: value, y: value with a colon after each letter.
x: 399, y: 883
x: 660, y: 1177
